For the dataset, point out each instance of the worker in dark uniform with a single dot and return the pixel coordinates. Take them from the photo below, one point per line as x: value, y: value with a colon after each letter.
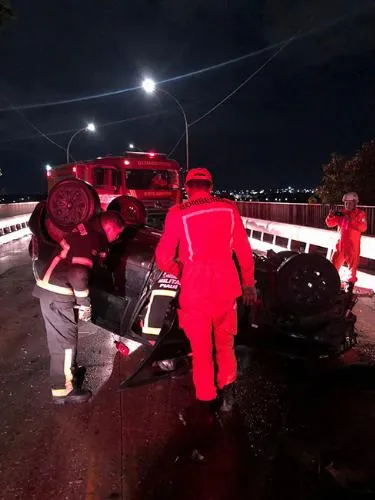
x: 62, y: 273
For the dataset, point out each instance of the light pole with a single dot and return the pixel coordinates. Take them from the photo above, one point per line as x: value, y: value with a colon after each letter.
x: 149, y: 86
x: 89, y: 128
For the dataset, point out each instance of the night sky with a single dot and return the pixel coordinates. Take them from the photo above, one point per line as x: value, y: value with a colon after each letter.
x: 315, y: 97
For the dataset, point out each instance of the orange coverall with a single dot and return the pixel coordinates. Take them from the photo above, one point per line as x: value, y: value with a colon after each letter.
x: 350, y: 226
x: 197, y: 245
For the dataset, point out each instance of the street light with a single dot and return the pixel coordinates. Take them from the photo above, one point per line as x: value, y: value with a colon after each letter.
x: 149, y: 86
x: 48, y: 169
x: 131, y: 146
x: 90, y: 127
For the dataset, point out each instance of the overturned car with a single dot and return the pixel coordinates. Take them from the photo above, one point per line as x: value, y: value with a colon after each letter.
x: 301, y: 311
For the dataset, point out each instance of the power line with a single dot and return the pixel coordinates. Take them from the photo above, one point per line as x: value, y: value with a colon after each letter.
x: 195, y: 72
x: 242, y: 84
x: 72, y: 130
x: 32, y: 125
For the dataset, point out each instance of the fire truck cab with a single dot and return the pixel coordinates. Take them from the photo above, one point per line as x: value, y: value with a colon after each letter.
x: 151, y: 178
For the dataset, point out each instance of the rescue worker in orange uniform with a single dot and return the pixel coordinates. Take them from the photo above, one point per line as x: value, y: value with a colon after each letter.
x: 62, y: 267
x: 351, y: 223
x: 197, y: 245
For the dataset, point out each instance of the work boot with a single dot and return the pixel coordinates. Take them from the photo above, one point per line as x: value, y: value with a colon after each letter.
x: 199, y: 414
x: 75, y: 396
x: 227, y: 398
x: 200, y: 427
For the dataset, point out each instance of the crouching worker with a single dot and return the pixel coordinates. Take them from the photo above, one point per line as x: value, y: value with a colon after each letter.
x: 62, y: 264
x: 199, y: 239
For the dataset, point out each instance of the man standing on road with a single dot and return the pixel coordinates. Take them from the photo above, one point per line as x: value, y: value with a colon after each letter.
x: 197, y: 245
x: 351, y: 223
x: 62, y: 274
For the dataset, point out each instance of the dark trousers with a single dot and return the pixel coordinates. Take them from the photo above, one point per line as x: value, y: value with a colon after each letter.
x: 60, y: 321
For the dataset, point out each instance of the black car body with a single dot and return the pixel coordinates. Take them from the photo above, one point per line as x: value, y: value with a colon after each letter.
x: 302, y: 310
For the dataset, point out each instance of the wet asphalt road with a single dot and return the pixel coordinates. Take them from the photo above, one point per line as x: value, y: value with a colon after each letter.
x: 301, y: 434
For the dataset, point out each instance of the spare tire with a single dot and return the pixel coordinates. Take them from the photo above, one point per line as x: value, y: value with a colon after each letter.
x: 71, y: 202
x: 307, y: 284
x: 132, y: 210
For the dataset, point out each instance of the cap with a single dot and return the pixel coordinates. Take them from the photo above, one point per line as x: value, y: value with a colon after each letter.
x: 199, y: 174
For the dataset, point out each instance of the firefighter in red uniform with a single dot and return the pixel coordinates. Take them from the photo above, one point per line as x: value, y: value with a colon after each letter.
x: 197, y: 246
x: 62, y: 273
x: 351, y: 223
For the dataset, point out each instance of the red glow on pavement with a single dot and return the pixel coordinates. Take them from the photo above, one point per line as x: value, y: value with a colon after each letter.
x: 122, y: 348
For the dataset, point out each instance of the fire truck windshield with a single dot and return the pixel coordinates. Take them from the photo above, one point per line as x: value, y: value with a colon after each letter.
x: 150, y: 179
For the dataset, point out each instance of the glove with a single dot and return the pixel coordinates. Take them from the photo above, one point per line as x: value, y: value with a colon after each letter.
x: 249, y: 295
x: 84, y: 313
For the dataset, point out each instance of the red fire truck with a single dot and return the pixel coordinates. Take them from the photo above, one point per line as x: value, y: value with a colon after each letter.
x: 150, y: 177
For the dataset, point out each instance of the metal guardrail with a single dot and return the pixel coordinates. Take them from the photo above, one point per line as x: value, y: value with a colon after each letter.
x: 301, y: 214
x: 13, y: 209
x: 12, y: 228
x: 266, y: 234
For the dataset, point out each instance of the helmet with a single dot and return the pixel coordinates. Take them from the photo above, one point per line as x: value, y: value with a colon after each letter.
x: 350, y: 197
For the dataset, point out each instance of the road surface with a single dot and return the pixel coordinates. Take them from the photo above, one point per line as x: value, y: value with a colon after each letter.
x: 302, y: 435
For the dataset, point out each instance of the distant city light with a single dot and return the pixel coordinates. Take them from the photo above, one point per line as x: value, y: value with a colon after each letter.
x: 131, y: 146
x: 48, y: 167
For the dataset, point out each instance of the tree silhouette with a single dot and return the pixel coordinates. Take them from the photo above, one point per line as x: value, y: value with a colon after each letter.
x: 5, y: 11
x: 342, y: 175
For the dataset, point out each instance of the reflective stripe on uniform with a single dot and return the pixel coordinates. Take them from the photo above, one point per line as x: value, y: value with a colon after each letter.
x: 83, y: 261
x: 151, y: 331
x: 81, y: 294
x: 68, y: 365
x: 155, y: 293
x: 54, y: 288
x: 65, y: 249
x: 60, y: 393
x: 62, y: 255
x: 204, y: 212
